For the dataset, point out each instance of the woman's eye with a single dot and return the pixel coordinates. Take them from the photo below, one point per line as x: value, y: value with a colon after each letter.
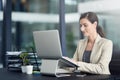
x: 85, y: 25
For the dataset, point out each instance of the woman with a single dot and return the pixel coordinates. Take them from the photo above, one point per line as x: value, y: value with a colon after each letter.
x: 93, y: 54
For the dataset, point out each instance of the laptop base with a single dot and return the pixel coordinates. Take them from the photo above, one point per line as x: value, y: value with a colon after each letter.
x: 53, y: 67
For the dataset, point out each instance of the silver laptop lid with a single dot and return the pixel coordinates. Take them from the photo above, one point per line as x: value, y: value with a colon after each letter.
x: 47, y: 44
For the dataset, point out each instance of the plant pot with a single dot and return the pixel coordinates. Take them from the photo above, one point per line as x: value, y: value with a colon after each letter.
x: 29, y: 69
x: 23, y: 69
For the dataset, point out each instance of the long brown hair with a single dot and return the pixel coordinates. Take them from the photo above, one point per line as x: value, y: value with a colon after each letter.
x: 92, y: 17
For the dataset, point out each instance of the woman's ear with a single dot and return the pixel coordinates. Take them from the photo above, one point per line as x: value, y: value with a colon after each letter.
x: 95, y: 24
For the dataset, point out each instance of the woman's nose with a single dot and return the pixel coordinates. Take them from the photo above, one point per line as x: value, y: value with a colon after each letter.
x: 82, y: 28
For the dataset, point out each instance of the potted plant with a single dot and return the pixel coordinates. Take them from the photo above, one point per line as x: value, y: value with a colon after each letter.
x: 26, y: 67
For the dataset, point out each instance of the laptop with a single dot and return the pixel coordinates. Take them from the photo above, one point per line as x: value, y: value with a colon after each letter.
x: 48, y: 46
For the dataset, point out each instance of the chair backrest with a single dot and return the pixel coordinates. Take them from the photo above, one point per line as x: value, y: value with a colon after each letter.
x: 115, y: 63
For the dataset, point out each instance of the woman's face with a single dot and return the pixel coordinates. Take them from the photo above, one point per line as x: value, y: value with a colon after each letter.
x: 87, y: 27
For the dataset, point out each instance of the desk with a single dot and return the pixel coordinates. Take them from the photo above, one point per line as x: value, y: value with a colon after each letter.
x: 10, y: 75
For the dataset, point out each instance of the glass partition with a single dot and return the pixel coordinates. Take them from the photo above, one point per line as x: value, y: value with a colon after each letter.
x: 29, y: 16
x: 34, y: 15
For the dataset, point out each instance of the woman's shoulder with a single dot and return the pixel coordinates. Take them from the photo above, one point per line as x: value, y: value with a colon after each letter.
x: 82, y: 40
x: 105, y: 40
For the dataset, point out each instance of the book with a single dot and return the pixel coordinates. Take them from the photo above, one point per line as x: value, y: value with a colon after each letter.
x: 69, y: 62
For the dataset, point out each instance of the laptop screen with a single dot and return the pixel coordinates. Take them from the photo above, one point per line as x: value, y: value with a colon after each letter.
x: 47, y: 44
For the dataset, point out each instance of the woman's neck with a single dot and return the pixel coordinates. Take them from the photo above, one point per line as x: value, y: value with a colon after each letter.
x: 91, y: 39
